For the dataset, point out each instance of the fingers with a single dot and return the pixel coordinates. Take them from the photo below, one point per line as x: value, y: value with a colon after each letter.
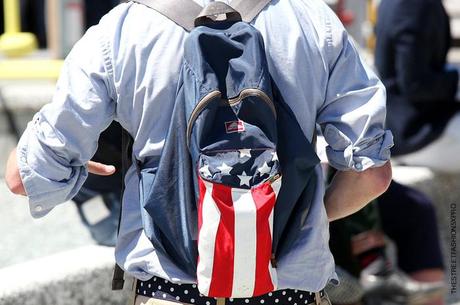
x: 100, y: 169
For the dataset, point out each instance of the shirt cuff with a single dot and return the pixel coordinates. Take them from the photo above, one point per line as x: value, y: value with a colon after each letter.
x: 43, y: 193
x: 343, y: 154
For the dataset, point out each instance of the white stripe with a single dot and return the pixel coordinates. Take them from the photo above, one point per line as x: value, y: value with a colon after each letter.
x: 276, y: 186
x: 207, y: 237
x: 245, y: 243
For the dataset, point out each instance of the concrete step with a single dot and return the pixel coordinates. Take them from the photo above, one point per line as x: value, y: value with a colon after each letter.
x: 80, y: 276
x: 24, y: 238
x: 27, y: 94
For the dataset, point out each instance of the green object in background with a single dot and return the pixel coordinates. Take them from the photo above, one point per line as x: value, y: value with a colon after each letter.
x: 342, y: 231
x: 14, y: 43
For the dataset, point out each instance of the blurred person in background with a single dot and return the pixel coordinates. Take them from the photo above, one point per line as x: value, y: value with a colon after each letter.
x: 410, y: 56
x: 360, y: 247
x: 33, y: 19
x: 33, y: 16
x: 2, y: 21
x: 95, y: 9
x: 423, y: 113
x: 407, y: 218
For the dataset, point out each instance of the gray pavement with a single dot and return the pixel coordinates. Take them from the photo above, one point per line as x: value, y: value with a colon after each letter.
x: 24, y: 238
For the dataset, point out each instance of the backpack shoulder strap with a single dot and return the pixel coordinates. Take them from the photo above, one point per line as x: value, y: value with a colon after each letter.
x: 126, y: 150
x: 249, y: 9
x: 182, y: 12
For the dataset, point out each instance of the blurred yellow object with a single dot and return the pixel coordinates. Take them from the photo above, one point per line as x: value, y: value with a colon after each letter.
x: 30, y: 69
x: 372, y: 18
x: 13, y: 43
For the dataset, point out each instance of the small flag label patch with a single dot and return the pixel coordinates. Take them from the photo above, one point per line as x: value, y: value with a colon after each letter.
x: 234, y: 126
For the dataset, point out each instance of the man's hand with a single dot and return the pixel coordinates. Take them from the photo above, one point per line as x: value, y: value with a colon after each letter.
x: 14, y: 182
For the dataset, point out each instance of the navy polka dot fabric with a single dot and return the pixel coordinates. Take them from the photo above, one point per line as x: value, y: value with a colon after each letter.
x: 188, y: 293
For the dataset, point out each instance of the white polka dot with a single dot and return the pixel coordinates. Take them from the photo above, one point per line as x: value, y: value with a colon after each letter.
x: 171, y: 289
x: 164, y: 295
x: 145, y: 292
x: 154, y: 279
x: 186, y: 291
x: 153, y: 294
x: 159, y: 287
x: 295, y: 303
x: 208, y: 303
x: 138, y: 291
x: 246, y: 301
x: 270, y: 294
x: 262, y: 301
x: 301, y: 296
x: 142, y: 284
x: 194, y: 286
x: 192, y: 301
x: 231, y: 299
x: 201, y: 295
x: 277, y: 301
x: 306, y: 302
x: 295, y: 291
x: 289, y: 299
x: 284, y: 293
x: 166, y: 281
x: 150, y: 286
x: 178, y: 298
x: 179, y: 284
x: 311, y: 293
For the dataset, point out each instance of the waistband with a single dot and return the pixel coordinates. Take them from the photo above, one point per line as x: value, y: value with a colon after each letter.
x: 159, y: 288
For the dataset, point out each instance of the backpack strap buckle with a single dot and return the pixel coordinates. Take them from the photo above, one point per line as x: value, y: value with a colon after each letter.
x: 215, y: 12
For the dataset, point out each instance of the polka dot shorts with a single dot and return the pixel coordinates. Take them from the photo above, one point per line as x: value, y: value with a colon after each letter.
x: 188, y: 293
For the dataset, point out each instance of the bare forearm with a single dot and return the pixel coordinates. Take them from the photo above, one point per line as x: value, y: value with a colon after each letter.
x: 350, y: 191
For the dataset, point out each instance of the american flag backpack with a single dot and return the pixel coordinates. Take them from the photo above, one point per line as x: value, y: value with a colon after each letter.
x: 234, y: 182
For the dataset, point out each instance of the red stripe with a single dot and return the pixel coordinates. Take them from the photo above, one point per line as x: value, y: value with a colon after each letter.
x: 222, y: 272
x: 264, y: 198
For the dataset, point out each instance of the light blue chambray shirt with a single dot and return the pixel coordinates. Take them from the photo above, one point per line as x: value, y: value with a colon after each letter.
x: 126, y: 69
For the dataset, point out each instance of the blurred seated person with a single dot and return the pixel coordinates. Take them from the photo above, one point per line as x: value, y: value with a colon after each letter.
x: 413, y: 38
x: 101, y: 218
x: 359, y: 246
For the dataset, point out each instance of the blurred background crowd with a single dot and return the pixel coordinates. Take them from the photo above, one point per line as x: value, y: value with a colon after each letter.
x: 397, y: 250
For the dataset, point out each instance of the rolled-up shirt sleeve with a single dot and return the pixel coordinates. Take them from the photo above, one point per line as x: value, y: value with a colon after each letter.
x: 353, y: 115
x: 61, y: 138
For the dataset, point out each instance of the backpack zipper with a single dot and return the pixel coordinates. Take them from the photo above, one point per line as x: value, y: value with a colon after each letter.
x: 251, y: 92
x: 197, y: 110
x: 232, y: 102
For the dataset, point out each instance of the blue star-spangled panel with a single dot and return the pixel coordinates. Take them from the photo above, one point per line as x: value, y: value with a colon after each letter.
x: 242, y: 168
